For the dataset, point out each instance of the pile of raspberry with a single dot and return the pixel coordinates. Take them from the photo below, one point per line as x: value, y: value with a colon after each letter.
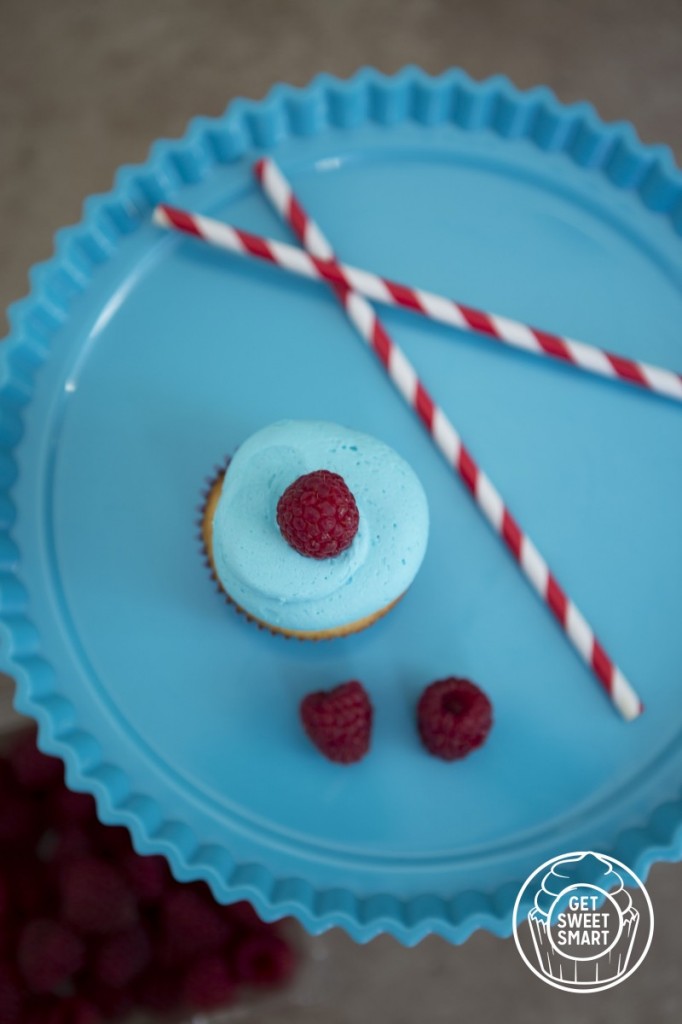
x: 90, y: 931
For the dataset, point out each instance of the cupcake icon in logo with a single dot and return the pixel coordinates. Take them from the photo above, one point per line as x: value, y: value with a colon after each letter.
x: 583, y: 922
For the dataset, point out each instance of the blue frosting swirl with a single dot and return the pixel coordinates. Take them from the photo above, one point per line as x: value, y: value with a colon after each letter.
x: 272, y: 581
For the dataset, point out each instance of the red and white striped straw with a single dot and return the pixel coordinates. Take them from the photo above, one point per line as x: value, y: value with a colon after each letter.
x: 434, y: 307
x: 486, y: 496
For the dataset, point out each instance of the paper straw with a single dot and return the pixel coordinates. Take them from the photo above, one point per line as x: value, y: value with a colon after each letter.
x: 446, y: 438
x: 427, y: 304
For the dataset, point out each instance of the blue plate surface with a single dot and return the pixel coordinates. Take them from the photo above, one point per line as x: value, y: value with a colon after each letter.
x: 141, y: 359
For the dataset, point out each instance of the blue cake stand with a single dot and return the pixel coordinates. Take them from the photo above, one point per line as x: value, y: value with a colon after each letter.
x: 139, y: 360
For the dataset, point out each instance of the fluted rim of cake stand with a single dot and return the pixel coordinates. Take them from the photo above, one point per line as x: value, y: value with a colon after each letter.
x: 256, y: 127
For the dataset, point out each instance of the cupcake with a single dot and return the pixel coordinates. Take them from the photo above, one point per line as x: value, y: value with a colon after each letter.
x: 314, y: 530
x: 582, y: 873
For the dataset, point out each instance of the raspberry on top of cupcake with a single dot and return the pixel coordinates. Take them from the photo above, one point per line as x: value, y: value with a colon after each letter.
x: 315, y: 530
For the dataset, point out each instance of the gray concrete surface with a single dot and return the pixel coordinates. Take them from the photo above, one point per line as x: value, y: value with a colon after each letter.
x: 87, y: 85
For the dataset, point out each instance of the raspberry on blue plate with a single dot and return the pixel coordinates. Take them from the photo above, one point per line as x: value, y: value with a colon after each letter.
x: 339, y: 721
x: 454, y: 717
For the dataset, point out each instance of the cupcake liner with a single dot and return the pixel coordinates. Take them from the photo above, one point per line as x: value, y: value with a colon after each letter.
x: 210, y: 482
